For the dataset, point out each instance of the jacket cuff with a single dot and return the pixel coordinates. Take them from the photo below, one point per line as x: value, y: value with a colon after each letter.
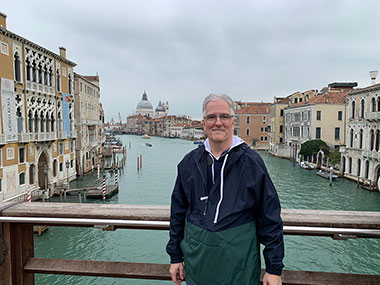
x: 275, y: 269
x: 176, y: 258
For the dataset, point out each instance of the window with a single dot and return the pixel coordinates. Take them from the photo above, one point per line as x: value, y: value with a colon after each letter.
x: 281, y: 140
x: 297, y: 117
x: 4, y: 49
x: 261, y: 129
x: 21, y: 178
x: 373, y: 104
x: 71, y: 146
x: 300, y: 100
x: 281, y: 129
x: 58, y: 81
x: 61, y: 166
x: 318, y: 133
x: 351, y: 138
x: 81, y: 87
x: 247, y: 120
x: 281, y: 112
x: 337, y: 133
x: 261, y: 138
x: 340, y: 115
x: 264, y: 119
x: 21, y: 154
x: 318, y: 115
x: 353, y: 110
x: 31, y: 174
x: 247, y: 132
x: 362, y: 108
x: 266, y: 138
x: 60, y: 148
x: 55, y: 168
x: 296, y: 131
x: 71, y: 163
x: 17, y: 65
x: 295, y: 100
x: 361, y: 139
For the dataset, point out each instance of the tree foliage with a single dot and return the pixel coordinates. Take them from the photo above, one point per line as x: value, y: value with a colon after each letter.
x: 313, y: 146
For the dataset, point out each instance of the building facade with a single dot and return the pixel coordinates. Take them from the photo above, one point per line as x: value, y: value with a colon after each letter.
x: 88, y: 121
x: 252, y: 124
x: 361, y: 154
x: 276, y: 131
x: 38, y: 132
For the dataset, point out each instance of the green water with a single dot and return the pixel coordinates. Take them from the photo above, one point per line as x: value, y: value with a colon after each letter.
x: 297, y: 188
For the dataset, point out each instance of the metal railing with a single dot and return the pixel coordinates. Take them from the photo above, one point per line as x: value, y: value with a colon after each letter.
x: 18, y: 220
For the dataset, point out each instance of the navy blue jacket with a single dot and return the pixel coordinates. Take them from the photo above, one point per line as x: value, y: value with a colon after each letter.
x: 247, y: 194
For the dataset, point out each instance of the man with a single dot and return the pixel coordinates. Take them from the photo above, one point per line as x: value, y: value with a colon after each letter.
x: 223, y: 206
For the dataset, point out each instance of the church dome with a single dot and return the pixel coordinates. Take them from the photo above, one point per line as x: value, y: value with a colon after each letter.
x: 160, y: 108
x: 144, y: 104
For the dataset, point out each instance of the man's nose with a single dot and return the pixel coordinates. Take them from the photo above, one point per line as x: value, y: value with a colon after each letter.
x: 218, y: 121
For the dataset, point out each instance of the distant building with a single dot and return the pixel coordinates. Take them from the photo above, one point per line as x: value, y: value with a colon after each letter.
x: 144, y: 107
x: 88, y: 120
x: 252, y: 124
x: 276, y: 131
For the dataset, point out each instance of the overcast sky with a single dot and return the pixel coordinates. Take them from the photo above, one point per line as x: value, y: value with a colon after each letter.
x: 180, y: 51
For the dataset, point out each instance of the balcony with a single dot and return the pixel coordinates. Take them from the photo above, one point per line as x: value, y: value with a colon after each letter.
x: 23, y: 138
x: 62, y: 135
x: 372, y: 116
x: 73, y: 134
x: 375, y: 155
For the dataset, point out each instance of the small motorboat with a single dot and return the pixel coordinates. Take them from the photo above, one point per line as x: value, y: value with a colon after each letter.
x: 326, y: 175
x: 148, y: 144
x: 146, y: 136
x: 306, y: 165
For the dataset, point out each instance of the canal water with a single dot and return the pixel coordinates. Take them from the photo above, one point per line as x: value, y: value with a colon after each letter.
x: 297, y: 189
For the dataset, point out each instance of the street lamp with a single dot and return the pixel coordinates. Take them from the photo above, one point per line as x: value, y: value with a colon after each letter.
x: 67, y: 167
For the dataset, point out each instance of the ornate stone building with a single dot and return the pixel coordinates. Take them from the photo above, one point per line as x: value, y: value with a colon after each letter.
x: 361, y: 154
x: 37, y: 137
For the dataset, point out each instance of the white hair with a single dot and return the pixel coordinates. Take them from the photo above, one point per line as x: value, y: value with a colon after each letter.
x: 214, y: 97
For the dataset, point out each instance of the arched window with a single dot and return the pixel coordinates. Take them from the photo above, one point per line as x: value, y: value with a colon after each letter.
x: 42, y: 118
x: 358, y: 169
x: 30, y: 119
x: 17, y: 64
x: 58, y: 81
x: 19, y: 120
x: 362, y: 108
x: 40, y: 72
x: 372, y: 144
x: 378, y: 104
x: 373, y: 104
x: 46, y: 76
x: 28, y: 70
x: 52, y: 123
x: 31, y: 174
x: 349, y: 165
x: 367, y: 169
x: 247, y: 132
x: 36, y: 122
x: 361, y: 139
x: 70, y: 83
x: 353, y: 110
x: 34, y: 71
x: 352, y: 138
x: 54, y: 167
x: 50, y: 77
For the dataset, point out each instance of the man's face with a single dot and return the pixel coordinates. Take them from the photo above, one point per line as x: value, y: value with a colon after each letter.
x: 218, y: 124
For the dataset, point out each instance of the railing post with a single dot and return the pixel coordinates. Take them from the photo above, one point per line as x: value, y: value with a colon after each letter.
x: 19, y: 246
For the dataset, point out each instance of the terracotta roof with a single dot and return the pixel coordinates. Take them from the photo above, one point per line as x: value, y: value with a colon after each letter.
x: 255, y: 108
x: 329, y: 98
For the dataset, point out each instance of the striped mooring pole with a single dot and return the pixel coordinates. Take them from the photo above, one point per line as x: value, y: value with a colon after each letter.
x: 29, y: 196
x: 116, y: 177
x: 104, y: 187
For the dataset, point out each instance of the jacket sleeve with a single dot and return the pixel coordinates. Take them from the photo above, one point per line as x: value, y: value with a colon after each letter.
x: 178, y: 211
x: 270, y: 226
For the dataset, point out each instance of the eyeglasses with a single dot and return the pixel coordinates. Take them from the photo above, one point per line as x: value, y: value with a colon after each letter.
x: 222, y: 117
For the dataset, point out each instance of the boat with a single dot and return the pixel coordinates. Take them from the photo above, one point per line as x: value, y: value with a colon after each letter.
x: 306, y: 165
x: 326, y: 175
x: 148, y: 144
x: 146, y: 136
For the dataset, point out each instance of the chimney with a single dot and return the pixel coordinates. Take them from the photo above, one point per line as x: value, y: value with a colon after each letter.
x: 3, y: 20
x: 373, y: 75
x: 62, y: 52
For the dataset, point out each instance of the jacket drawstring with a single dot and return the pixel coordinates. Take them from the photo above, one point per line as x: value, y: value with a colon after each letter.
x: 221, y: 189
